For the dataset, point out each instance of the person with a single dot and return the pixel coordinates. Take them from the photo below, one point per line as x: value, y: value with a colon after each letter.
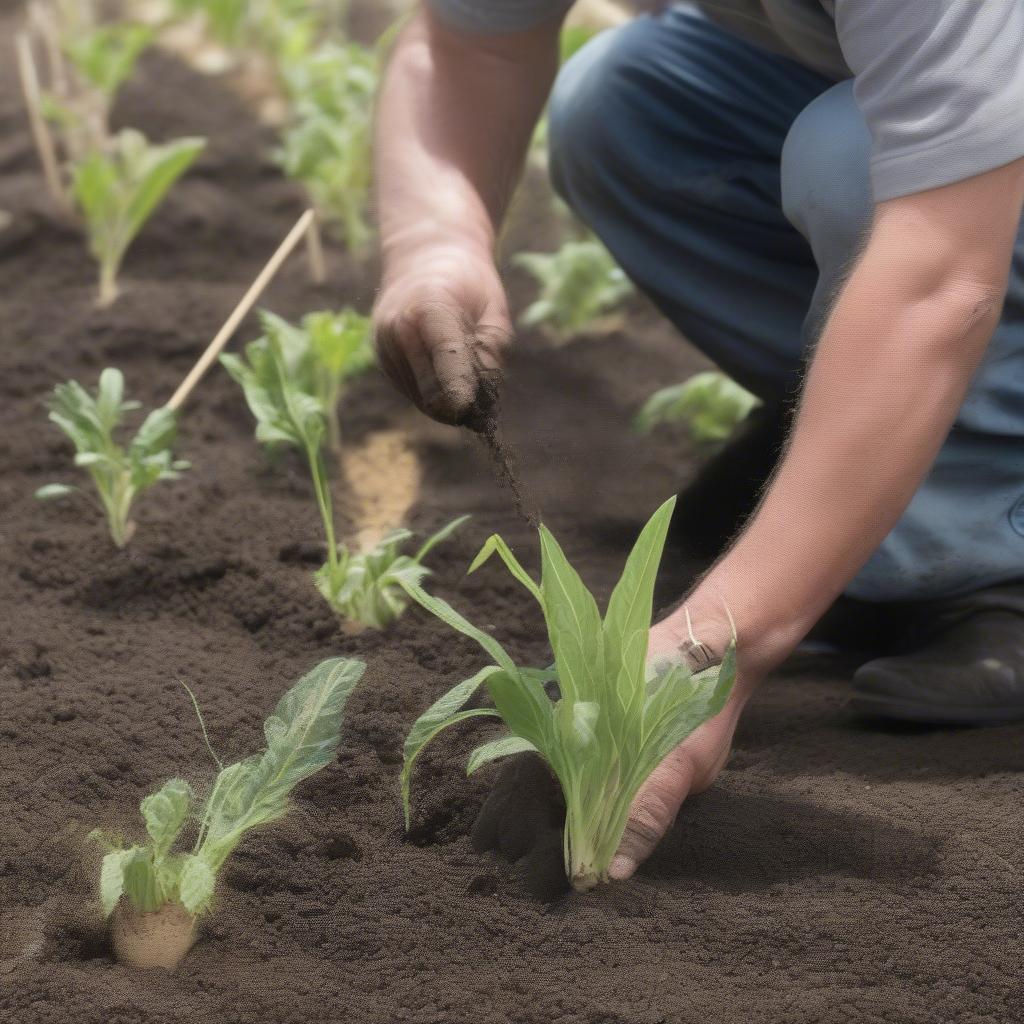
x: 825, y: 196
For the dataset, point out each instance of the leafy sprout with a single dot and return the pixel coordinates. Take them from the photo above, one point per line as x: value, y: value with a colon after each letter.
x: 323, y: 354
x: 106, y: 56
x: 578, y: 283
x: 302, y: 735
x: 711, y: 404
x: 118, y: 192
x: 327, y: 145
x: 120, y: 474
x: 366, y: 587
x: 617, y: 717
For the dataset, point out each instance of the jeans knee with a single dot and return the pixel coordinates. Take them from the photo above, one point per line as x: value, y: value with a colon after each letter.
x: 826, y: 189
x: 588, y: 105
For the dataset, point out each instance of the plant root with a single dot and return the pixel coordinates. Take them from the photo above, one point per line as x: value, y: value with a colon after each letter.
x: 158, y: 939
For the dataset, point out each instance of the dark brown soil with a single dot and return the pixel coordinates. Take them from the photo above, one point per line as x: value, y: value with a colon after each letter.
x: 835, y: 873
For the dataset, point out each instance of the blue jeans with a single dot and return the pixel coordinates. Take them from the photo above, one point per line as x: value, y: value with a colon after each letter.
x: 732, y: 186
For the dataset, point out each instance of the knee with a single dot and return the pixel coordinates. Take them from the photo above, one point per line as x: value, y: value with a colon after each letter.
x: 588, y: 109
x: 826, y: 189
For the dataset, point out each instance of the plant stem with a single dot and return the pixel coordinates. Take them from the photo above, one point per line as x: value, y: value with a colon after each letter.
x: 323, y: 500
x: 108, y: 284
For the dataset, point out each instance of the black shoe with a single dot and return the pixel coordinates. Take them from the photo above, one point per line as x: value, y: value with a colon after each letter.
x: 714, y: 506
x: 961, y: 662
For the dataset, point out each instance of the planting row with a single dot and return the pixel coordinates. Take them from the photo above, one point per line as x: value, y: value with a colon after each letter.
x: 600, y: 716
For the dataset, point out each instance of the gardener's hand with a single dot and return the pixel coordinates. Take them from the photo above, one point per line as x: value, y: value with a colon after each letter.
x: 694, y: 765
x: 441, y: 326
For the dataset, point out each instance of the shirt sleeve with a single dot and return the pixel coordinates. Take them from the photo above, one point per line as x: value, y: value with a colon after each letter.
x: 941, y: 85
x: 497, y: 15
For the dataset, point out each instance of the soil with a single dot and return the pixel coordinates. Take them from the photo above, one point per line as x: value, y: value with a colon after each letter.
x: 838, y: 871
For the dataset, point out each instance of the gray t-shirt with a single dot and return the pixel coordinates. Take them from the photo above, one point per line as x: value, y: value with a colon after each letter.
x: 940, y: 82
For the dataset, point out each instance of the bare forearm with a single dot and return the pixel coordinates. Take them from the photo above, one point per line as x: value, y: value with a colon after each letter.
x: 889, y: 376
x: 884, y: 387
x: 454, y: 119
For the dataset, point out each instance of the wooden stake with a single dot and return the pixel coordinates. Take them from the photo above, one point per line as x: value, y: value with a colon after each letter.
x: 40, y: 129
x: 315, y: 253
x: 249, y: 300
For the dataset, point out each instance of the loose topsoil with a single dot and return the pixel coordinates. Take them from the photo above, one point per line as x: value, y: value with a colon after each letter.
x: 837, y: 871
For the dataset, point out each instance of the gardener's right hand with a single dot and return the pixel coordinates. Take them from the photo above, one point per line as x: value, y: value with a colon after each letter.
x: 441, y: 325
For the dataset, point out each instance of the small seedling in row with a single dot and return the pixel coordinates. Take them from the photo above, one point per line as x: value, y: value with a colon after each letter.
x: 617, y: 716
x: 711, y: 404
x: 105, y: 57
x: 279, y: 389
x: 327, y: 146
x: 120, y: 474
x: 100, y: 60
x: 118, y: 192
x: 154, y: 893
x: 366, y: 587
x: 578, y: 283
x: 323, y: 354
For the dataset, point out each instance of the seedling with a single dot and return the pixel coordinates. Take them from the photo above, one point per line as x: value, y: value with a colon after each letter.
x: 327, y: 146
x: 323, y: 355
x: 120, y: 474
x: 118, y: 193
x: 106, y: 56
x: 279, y: 378
x: 711, y: 404
x: 579, y: 282
x: 366, y: 587
x: 102, y: 58
x: 617, y: 716
x: 153, y: 892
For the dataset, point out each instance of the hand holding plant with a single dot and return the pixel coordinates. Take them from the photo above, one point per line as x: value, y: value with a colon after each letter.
x: 617, y: 718
x: 120, y: 474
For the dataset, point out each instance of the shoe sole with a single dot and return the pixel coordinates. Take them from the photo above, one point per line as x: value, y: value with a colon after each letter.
x: 931, y: 714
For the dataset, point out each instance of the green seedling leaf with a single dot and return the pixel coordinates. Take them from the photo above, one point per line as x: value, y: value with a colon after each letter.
x: 327, y: 146
x: 493, y: 544
x: 578, y: 283
x: 50, y: 491
x: 106, y: 56
x: 112, y: 878
x: 118, y: 191
x: 302, y: 737
x: 710, y: 404
x: 196, y: 883
x: 119, y: 474
x: 616, y: 718
x: 443, y: 713
x: 504, y: 747
x: 165, y: 812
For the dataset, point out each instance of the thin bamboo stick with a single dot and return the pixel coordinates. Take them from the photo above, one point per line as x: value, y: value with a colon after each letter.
x: 249, y: 300
x: 40, y: 129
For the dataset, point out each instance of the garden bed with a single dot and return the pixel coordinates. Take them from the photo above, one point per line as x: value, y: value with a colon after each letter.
x: 836, y: 872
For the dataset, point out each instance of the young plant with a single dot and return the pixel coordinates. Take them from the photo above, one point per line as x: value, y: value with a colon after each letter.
x: 327, y: 146
x: 153, y: 878
x: 323, y: 354
x: 578, y: 283
x: 366, y: 587
x: 617, y: 717
x: 120, y: 474
x: 118, y: 191
x: 105, y: 56
x: 711, y: 404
